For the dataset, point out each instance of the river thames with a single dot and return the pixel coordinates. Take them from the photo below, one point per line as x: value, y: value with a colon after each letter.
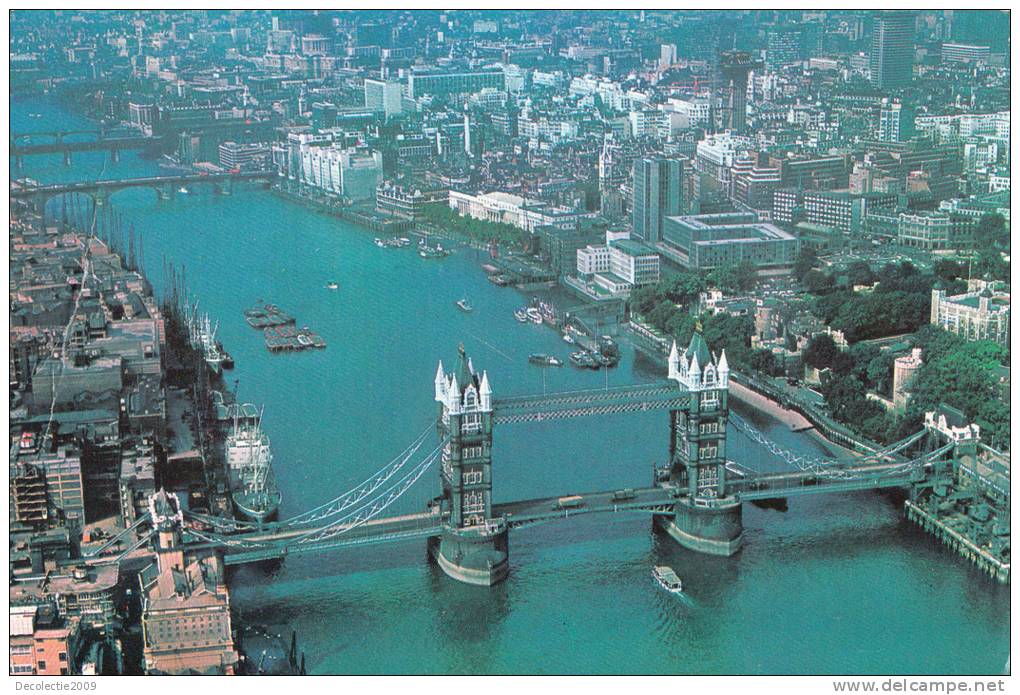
x: 836, y: 584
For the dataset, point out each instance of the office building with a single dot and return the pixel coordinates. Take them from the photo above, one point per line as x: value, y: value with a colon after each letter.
x: 710, y: 241
x: 384, y: 96
x: 895, y: 121
x: 892, y: 49
x: 441, y: 84
x: 658, y: 193
x: 965, y: 53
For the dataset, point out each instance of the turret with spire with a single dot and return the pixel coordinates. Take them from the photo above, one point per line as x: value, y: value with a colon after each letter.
x: 463, y: 390
x: 696, y: 368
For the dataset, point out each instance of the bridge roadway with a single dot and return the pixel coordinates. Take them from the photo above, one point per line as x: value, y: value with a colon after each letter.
x: 131, y: 142
x: 275, y: 543
x: 22, y: 191
x: 662, y: 395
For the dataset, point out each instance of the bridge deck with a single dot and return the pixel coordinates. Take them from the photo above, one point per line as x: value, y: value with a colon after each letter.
x: 646, y: 499
x: 151, y: 181
x: 277, y: 542
x: 662, y: 395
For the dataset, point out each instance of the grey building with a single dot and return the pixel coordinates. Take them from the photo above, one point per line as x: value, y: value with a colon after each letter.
x: 892, y: 49
x: 658, y: 193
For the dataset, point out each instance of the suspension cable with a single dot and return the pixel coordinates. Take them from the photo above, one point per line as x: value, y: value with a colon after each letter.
x: 364, y: 513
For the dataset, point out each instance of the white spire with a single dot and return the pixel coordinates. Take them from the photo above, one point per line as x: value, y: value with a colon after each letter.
x: 440, y: 382
x: 723, y: 364
x: 485, y: 392
x: 674, y: 362
x: 694, y: 371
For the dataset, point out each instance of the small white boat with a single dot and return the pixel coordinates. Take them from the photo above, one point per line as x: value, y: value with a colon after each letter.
x: 567, y: 338
x: 464, y: 305
x: 332, y: 285
x: 668, y: 579
x: 534, y: 315
x: 182, y: 189
x: 521, y: 315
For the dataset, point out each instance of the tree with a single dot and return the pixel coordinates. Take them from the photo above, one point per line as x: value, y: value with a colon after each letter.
x: 820, y: 351
x: 817, y: 282
x: 991, y: 231
x: 732, y: 278
x: 859, y: 273
x: 879, y: 373
x: 807, y: 260
x: 764, y: 361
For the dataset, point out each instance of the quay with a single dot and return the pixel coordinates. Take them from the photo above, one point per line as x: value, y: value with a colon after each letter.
x: 957, y: 541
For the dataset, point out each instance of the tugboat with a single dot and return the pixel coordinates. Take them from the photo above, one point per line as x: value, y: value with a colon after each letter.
x: 464, y: 305
x: 668, y: 579
x: 543, y: 360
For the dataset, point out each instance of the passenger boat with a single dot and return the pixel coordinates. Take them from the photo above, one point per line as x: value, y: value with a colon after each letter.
x: 668, y: 579
x: 437, y: 251
x: 521, y: 315
x: 581, y: 358
x: 464, y: 305
x: 534, y: 315
x: 543, y: 360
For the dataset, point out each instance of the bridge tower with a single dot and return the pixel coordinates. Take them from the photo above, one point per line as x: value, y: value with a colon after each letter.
x: 707, y: 517
x: 167, y: 518
x: 474, y: 547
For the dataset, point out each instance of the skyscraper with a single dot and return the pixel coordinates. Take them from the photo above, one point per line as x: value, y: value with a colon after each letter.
x: 892, y: 49
x: 735, y: 67
x: 657, y: 194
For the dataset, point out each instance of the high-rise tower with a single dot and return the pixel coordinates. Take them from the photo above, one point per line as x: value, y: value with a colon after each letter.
x: 658, y: 194
x: 892, y: 49
x: 735, y: 66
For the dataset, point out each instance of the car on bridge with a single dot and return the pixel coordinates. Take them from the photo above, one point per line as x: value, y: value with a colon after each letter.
x: 571, y: 502
x: 624, y: 494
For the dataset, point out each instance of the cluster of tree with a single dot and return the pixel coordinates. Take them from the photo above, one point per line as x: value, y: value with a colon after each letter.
x: 851, y: 374
x: 991, y: 240
x: 899, y: 303
x: 955, y: 372
x: 964, y: 375
x: 665, y: 306
x: 477, y: 230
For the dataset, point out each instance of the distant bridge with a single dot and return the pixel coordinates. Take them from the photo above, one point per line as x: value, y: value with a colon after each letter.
x: 26, y: 144
x: 164, y: 186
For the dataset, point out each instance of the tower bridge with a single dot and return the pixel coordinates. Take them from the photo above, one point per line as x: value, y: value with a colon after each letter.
x: 696, y: 498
